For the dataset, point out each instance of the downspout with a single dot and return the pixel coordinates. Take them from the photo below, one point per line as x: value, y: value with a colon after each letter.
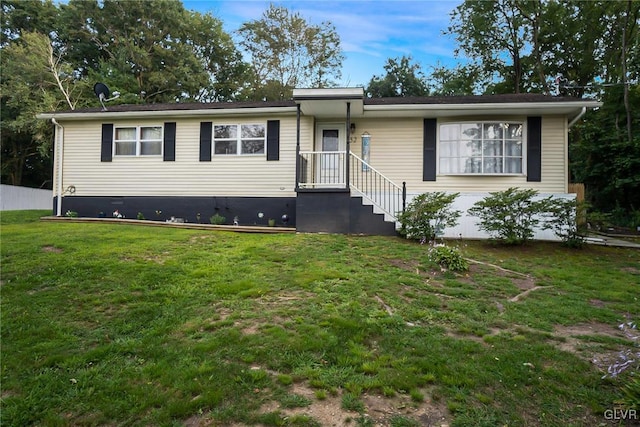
x: 60, y: 141
x: 578, y: 117
x: 297, y: 148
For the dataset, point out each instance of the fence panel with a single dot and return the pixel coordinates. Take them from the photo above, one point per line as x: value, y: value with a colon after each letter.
x: 14, y: 198
x: 578, y: 190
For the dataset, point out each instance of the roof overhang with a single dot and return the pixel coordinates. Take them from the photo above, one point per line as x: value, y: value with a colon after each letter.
x: 569, y: 109
x: 168, y: 114
x: 330, y: 102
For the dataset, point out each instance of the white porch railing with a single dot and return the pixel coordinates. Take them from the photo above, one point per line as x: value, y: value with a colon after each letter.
x: 328, y: 170
x: 378, y: 189
x: 322, y: 169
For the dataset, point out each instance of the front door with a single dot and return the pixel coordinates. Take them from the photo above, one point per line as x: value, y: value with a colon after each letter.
x: 331, y: 147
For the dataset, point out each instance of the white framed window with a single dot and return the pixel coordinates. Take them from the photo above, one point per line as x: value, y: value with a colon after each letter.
x: 239, y: 139
x: 481, y: 148
x: 137, y: 141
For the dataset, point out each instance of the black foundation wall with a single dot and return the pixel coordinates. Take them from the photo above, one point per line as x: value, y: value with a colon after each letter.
x: 338, y: 212
x: 246, y: 209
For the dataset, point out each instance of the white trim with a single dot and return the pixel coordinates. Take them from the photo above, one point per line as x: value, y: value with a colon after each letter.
x: 138, y: 141
x: 342, y: 134
x: 238, y: 139
x: 105, y: 115
x: 504, y: 106
x: 523, y: 156
x: 329, y: 93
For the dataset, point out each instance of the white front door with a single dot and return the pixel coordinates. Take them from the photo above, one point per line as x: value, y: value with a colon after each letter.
x: 331, y: 144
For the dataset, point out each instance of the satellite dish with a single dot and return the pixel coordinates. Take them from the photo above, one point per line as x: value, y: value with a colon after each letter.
x: 102, y: 92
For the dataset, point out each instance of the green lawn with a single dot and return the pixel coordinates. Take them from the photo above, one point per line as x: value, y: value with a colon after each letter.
x: 111, y: 324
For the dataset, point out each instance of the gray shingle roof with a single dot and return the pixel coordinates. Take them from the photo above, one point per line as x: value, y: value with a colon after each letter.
x: 444, y: 100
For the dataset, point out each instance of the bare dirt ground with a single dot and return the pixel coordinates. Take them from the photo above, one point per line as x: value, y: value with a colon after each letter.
x: 378, y: 409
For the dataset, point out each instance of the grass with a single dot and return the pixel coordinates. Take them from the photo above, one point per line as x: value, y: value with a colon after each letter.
x: 132, y: 325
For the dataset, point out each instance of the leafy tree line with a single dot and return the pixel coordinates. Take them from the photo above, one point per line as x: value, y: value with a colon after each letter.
x: 561, y: 47
x: 157, y: 51
x: 151, y: 52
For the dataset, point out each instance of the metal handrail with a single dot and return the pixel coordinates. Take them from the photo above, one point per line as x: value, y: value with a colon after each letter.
x: 377, y: 188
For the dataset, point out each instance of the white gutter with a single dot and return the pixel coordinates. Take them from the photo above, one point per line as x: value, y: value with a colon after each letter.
x: 578, y: 117
x: 60, y: 142
x: 169, y: 113
x: 483, y: 106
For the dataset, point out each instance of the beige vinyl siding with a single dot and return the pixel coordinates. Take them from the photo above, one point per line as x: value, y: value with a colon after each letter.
x: 396, y: 151
x: 249, y: 176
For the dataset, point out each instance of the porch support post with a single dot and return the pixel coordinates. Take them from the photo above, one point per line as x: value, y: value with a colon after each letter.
x: 297, y: 177
x: 347, y: 158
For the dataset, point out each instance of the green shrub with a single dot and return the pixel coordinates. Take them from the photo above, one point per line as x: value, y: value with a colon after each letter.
x: 598, y: 220
x: 428, y: 215
x: 511, y: 216
x: 217, y: 219
x: 140, y: 216
x: 563, y: 220
x: 449, y: 258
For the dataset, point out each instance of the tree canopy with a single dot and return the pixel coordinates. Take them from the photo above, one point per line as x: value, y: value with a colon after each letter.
x: 151, y: 51
x: 287, y: 52
x: 402, y: 79
x: 570, y: 48
x: 157, y: 51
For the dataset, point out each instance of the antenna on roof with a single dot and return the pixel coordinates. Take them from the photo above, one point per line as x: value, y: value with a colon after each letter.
x: 102, y: 92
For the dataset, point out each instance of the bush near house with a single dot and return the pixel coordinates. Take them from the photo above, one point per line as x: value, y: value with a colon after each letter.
x: 512, y: 215
x: 563, y: 220
x: 428, y: 215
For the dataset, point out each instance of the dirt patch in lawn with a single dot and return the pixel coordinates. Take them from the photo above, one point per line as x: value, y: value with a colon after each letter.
x: 522, y: 281
x: 589, y: 329
x: 379, y: 410
x: 631, y: 270
x: 586, y: 341
x: 51, y: 249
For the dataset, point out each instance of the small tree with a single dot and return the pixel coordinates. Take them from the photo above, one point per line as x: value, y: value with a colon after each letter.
x: 428, y: 215
x: 511, y: 216
x: 286, y: 51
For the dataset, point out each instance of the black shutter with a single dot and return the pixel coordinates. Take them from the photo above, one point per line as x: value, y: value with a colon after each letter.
x: 205, y: 141
x: 273, y: 140
x: 534, y: 149
x: 169, y: 142
x: 429, y: 159
x: 106, y: 148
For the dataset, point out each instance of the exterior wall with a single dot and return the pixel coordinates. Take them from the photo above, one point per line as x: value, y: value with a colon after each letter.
x: 241, y: 176
x: 188, y: 209
x: 14, y: 198
x: 467, y: 227
x: 396, y: 151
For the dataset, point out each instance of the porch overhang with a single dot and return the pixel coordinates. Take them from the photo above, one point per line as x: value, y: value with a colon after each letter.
x: 330, y: 102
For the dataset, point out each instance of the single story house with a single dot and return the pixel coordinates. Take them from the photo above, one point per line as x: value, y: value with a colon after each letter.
x: 328, y: 160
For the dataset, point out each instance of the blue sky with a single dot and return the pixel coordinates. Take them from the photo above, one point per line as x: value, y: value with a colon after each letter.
x: 370, y: 31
